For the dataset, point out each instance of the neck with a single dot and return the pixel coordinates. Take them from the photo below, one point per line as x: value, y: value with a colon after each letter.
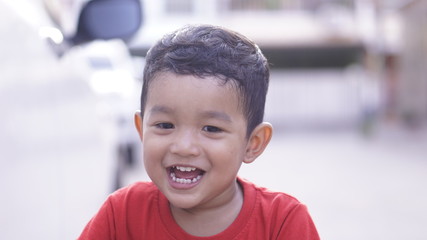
x: 212, y: 220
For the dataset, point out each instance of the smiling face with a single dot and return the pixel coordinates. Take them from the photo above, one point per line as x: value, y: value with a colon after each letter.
x: 194, y: 139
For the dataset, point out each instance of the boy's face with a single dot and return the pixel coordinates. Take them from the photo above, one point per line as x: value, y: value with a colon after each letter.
x: 194, y: 139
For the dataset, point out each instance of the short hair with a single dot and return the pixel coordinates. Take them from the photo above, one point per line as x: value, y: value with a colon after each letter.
x: 206, y: 50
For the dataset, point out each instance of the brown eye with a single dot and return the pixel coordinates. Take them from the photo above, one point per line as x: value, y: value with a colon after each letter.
x: 165, y: 125
x: 212, y: 129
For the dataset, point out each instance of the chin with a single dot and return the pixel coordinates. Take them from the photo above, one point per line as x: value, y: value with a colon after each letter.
x: 185, y: 201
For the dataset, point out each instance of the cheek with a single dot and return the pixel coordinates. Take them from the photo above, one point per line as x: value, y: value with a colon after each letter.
x: 153, y: 153
x: 226, y: 153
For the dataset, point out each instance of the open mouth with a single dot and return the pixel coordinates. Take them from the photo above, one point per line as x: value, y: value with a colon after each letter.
x: 185, y: 175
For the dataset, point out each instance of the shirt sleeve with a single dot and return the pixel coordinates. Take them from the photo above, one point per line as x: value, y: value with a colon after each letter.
x: 101, y: 226
x: 299, y: 225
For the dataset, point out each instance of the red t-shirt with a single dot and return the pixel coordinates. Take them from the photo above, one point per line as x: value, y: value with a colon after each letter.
x: 141, y: 211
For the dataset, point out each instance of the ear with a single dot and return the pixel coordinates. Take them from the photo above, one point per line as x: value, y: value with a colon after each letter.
x: 138, y: 123
x: 258, y: 141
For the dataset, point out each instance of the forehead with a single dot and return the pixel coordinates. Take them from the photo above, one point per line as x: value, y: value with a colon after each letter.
x: 168, y: 79
x: 169, y: 86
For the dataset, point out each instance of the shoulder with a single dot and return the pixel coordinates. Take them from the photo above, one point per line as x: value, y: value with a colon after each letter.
x: 135, y: 188
x: 135, y: 192
x: 126, y: 211
x: 133, y: 204
x: 269, y: 197
x: 282, y: 215
x: 273, y: 205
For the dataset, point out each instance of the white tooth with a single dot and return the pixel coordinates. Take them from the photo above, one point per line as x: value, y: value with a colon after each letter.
x: 182, y: 169
x: 184, y: 180
x: 185, y: 169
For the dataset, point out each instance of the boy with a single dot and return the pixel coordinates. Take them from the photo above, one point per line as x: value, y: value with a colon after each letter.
x: 201, y: 116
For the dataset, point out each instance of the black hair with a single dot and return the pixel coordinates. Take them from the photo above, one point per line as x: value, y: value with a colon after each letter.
x: 206, y: 50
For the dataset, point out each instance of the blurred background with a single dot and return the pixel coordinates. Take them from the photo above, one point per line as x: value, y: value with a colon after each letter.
x: 348, y: 101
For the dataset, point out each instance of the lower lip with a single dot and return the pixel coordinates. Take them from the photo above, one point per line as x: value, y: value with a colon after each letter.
x: 183, y: 186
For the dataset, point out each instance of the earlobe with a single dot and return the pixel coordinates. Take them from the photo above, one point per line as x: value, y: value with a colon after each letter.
x: 138, y: 123
x: 258, y: 141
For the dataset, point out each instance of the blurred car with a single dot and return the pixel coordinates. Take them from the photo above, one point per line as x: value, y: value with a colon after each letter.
x: 67, y: 112
x: 110, y: 67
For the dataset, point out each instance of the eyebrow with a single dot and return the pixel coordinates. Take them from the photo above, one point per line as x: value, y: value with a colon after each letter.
x: 206, y: 114
x: 217, y: 115
x: 160, y: 109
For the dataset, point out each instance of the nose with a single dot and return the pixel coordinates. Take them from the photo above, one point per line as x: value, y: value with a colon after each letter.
x: 185, y: 144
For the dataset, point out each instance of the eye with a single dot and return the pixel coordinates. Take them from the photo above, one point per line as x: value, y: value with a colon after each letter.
x: 212, y: 129
x: 164, y: 125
